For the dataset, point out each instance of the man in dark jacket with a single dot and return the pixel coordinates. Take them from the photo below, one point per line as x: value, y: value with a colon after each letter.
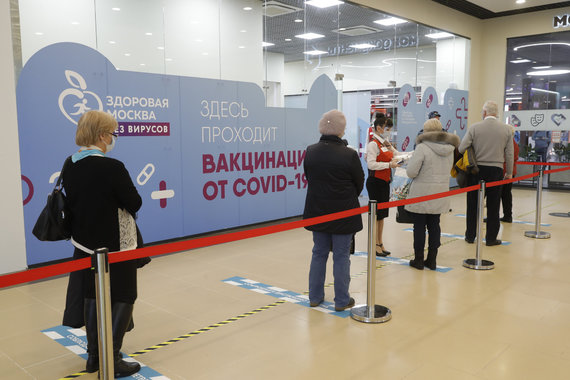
x: 335, y: 179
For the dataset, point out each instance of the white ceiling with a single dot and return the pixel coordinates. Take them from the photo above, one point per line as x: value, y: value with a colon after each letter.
x: 509, y: 5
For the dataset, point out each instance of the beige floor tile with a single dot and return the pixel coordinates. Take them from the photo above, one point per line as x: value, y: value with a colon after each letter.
x: 523, y: 364
x: 507, y: 323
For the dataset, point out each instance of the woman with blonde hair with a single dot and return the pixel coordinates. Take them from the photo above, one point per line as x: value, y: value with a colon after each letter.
x: 103, y: 203
x: 429, y: 168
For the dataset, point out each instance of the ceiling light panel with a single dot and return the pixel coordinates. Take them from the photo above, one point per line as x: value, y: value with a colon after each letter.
x: 324, y: 3
x: 309, y: 36
x: 439, y: 35
x: 315, y: 52
x: 390, y: 21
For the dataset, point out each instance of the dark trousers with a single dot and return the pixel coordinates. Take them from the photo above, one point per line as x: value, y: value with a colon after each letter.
x: 431, y: 221
x: 487, y: 174
x: 507, y: 200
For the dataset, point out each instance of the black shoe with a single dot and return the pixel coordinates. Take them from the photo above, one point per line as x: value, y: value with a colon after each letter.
x: 494, y: 242
x: 470, y: 241
x: 484, y: 220
x: 350, y: 305
x: 431, y: 259
x: 417, y: 264
x: 506, y: 220
x: 315, y: 304
x: 92, y: 363
x: 383, y: 252
x: 124, y: 368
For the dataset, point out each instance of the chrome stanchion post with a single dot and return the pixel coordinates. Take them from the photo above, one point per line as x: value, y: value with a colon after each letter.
x: 537, y: 233
x: 371, y: 313
x: 104, y: 323
x: 477, y: 262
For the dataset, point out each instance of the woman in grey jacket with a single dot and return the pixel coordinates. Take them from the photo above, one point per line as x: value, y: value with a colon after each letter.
x: 429, y: 167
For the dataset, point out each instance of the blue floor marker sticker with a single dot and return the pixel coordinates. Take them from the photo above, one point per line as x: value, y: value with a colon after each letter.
x: 514, y: 221
x: 397, y: 260
x: 283, y: 294
x: 76, y: 341
x: 454, y: 236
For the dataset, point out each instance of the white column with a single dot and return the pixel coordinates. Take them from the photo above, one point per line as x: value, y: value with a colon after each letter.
x: 13, y: 256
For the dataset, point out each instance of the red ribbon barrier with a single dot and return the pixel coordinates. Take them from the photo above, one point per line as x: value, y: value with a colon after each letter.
x: 35, y: 274
x: 543, y: 163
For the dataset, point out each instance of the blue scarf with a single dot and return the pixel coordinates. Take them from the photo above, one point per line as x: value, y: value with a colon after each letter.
x: 86, y: 153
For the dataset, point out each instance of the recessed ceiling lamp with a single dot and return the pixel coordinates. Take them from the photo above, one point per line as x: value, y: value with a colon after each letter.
x: 520, y: 1
x: 548, y: 72
x: 160, y: 47
x: 247, y: 8
x: 324, y: 3
x: 309, y: 36
x: 264, y: 44
x: 298, y: 20
x: 520, y: 61
x: 168, y: 59
x: 74, y: 23
x: 112, y: 42
x: 362, y: 46
x: 541, y: 44
x: 315, y: 52
x: 288, y: 39
x: 148, y: 33
x: 541, y: 67
x: 116, y: 9
x: 439, y: 35
x: 390, y: 21
x: 39, y: 33
x: 127, y: 54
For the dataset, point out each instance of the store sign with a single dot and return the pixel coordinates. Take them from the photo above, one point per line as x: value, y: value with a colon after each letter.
x: 560, y: 21
x: 404, y: 41
x: 204, y: 154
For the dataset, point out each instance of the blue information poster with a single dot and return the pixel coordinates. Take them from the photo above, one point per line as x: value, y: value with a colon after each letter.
x: 204, y: 154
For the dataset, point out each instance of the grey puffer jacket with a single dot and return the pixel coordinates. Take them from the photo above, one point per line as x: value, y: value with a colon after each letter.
x: 429, y: 167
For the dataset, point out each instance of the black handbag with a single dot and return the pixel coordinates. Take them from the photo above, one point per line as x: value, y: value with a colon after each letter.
x: 403, y: 215
x: 53, y: 224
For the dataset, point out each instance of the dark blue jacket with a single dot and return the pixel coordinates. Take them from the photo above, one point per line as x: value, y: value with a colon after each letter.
x: 335, y: 179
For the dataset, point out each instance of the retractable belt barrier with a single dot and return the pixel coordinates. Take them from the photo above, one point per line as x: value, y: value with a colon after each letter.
x: 35, y: 274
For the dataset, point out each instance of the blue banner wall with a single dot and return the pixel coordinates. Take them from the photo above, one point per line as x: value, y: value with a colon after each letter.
x: 412, y: 114
x: 204, y: 154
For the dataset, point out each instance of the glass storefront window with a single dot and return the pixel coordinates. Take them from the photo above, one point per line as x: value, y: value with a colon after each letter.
x: 538, y: 78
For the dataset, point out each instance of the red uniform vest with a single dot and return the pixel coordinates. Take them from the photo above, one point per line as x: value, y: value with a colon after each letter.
x: 386, y: 156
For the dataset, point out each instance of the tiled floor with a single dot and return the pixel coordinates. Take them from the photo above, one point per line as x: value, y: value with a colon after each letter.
x: 507, y: 323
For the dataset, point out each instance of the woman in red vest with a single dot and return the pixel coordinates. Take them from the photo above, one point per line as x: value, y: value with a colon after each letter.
x: 381, y: 157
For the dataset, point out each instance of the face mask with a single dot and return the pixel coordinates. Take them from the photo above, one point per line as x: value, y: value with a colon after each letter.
x: 386, y: 135
x: 109, y: 147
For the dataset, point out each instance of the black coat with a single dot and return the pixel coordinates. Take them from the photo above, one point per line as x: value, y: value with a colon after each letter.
x: 335, y: 179
x: 95, y: 188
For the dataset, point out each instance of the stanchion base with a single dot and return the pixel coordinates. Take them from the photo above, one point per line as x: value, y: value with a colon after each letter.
x: 381, y: 314
x: 481, y: 265
x: 537, y: 235
x: 561, y: 214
